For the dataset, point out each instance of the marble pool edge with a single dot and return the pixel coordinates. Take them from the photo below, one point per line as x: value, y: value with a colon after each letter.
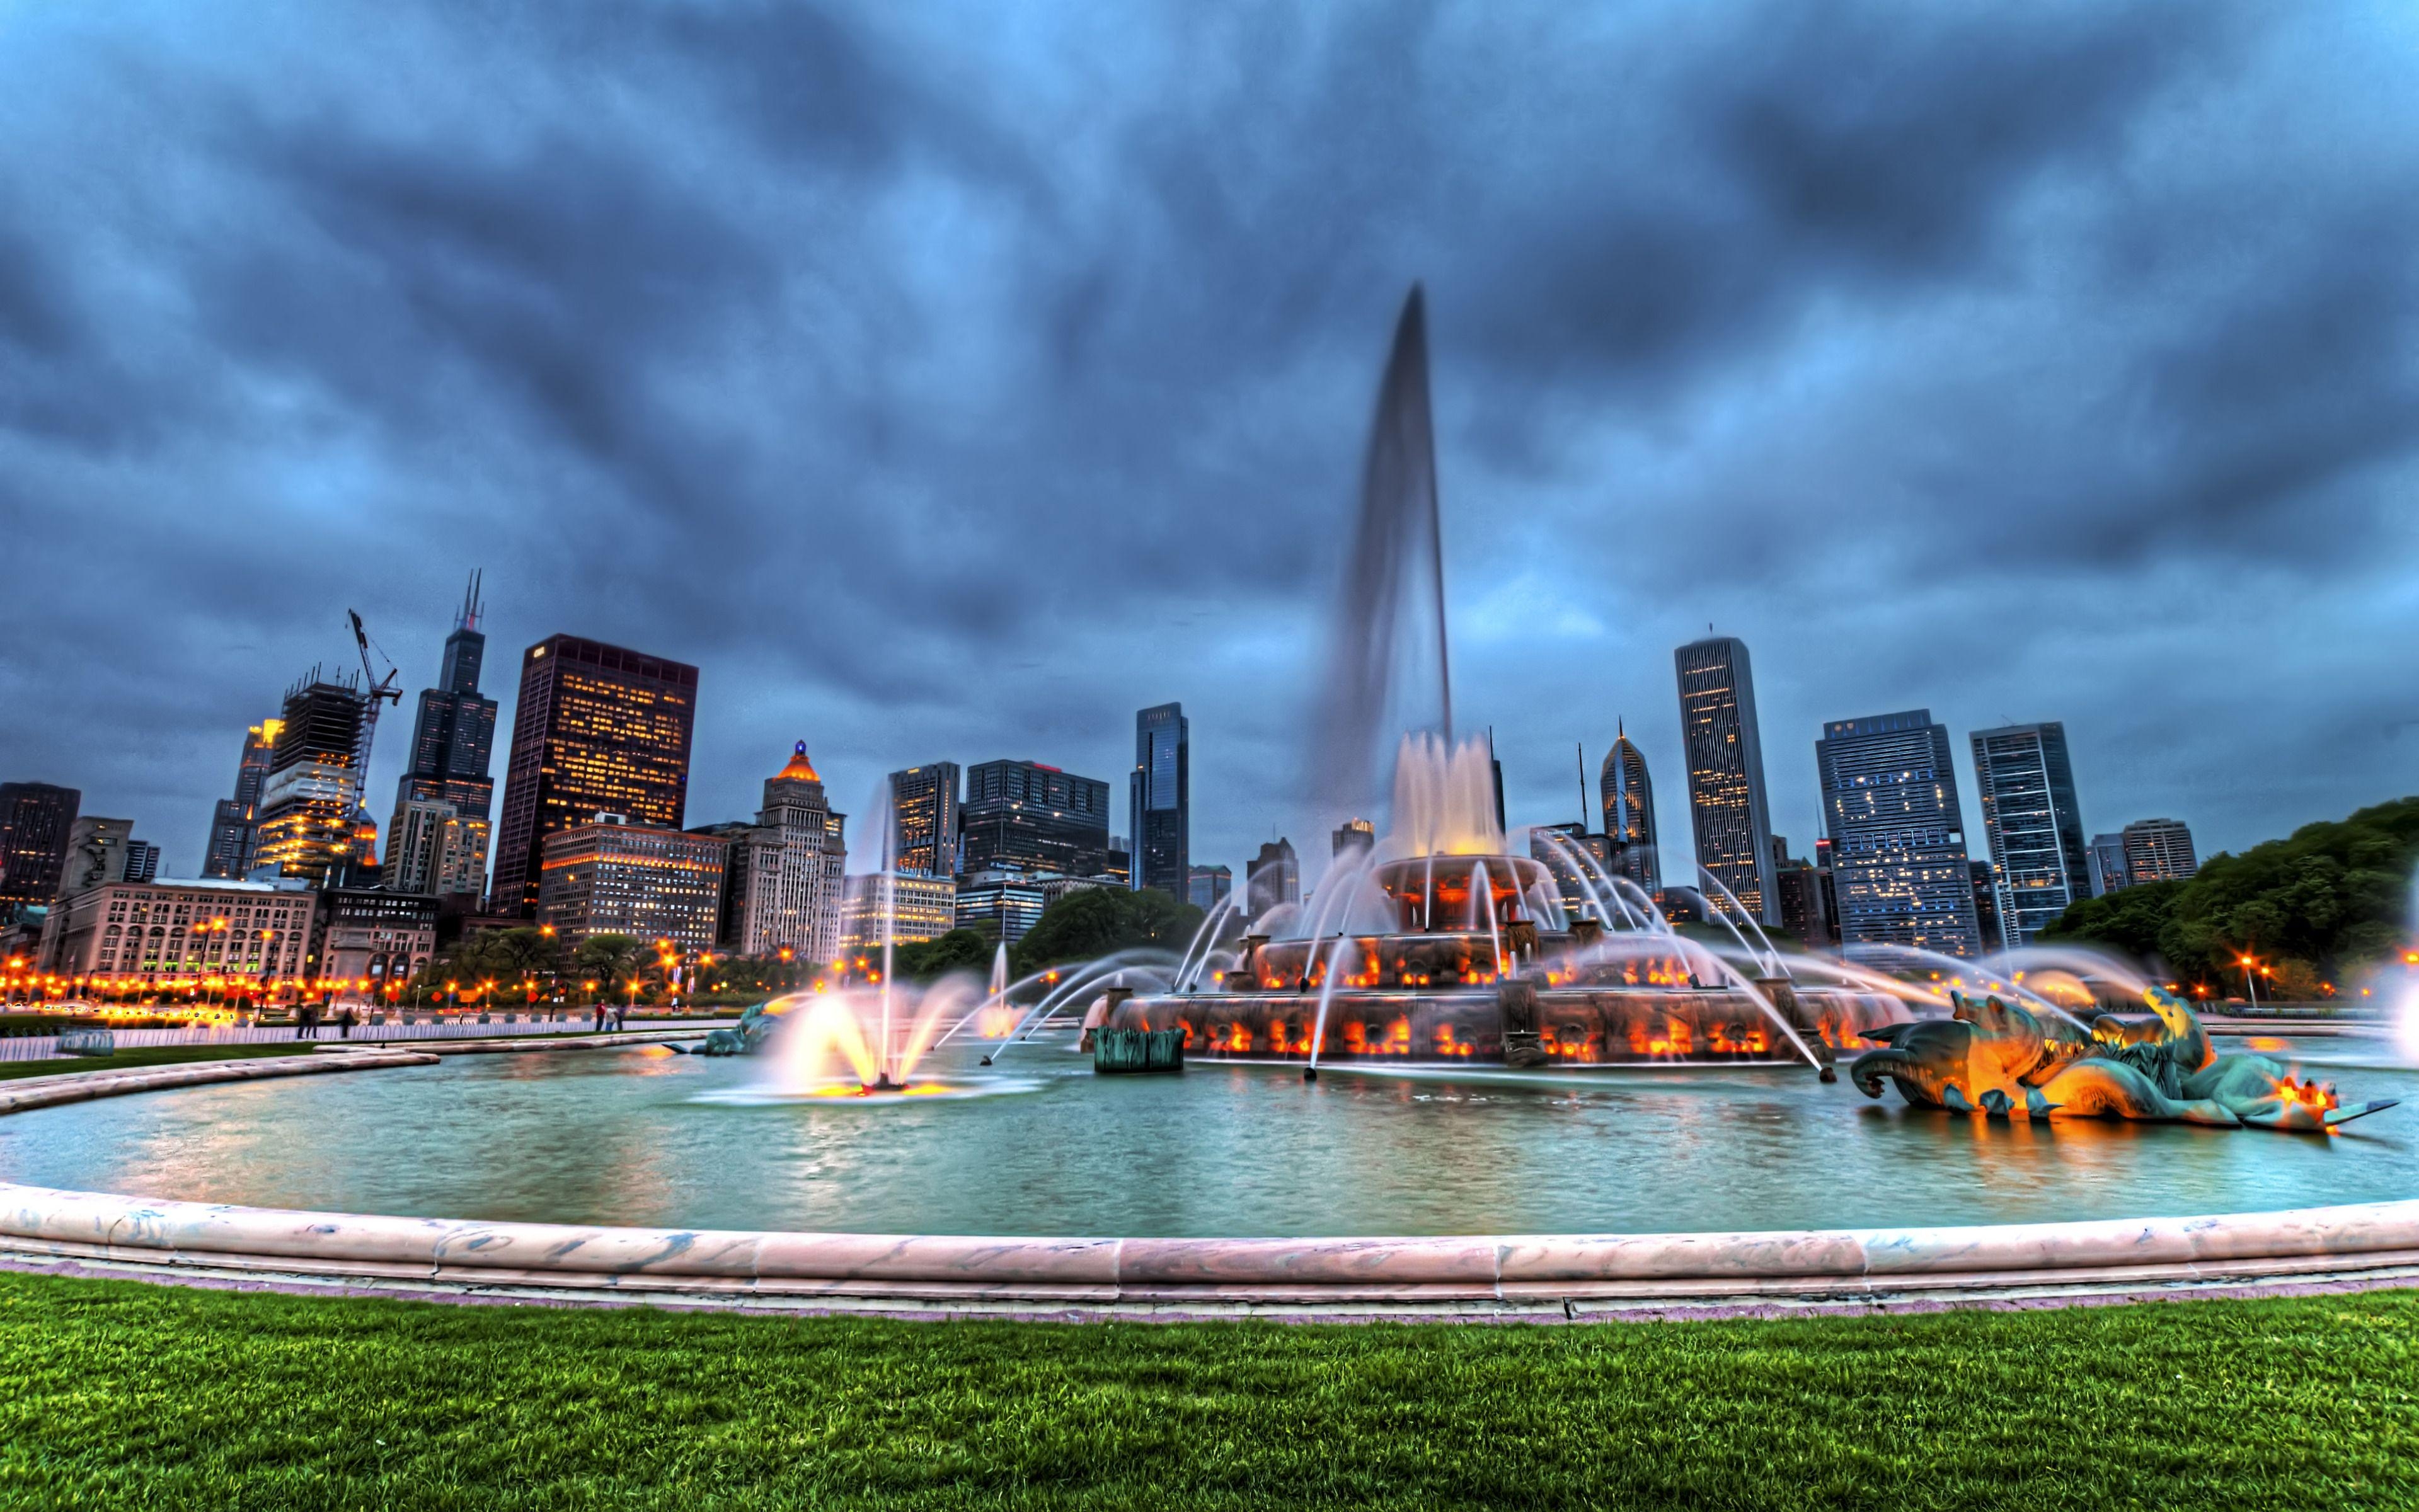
x: 1459, y: 1278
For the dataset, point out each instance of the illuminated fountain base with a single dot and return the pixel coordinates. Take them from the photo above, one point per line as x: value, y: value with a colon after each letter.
x: 1491, y: 985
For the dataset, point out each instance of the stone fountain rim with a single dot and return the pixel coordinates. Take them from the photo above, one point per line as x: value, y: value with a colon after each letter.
x: 1497, y: 1277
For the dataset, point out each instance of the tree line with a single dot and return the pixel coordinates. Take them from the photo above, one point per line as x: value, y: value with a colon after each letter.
x: 2315, y: 908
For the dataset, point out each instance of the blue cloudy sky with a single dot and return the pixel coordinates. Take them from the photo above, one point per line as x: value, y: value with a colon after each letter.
x: 947, y: 383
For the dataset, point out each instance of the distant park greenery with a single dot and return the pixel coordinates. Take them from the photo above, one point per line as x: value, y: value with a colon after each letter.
x: 2315, y: 908
x: 1078, y: 927
x: 532, y: 966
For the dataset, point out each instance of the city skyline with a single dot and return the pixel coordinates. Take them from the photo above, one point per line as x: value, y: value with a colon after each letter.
x: 1852, y: 442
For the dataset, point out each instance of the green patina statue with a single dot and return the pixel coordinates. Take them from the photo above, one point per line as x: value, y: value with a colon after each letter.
x: 755, y: 1026
x: 1998, y: 1058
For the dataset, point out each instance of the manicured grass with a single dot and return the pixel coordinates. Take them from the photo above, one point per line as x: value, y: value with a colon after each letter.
x: 134, y: 1058
x: 126, y: 1394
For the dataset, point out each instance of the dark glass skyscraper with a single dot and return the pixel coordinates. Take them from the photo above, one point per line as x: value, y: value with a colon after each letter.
x: 1629, y: 813
x: 452, y: 742
x: 1899, y: 869
x: 235, y: 822
x: 2039, y: 861
x: 36, y: 819
x: 1025, y: 816
x: 1160, y: 800
x: 924, y: 807
x: 597, y: 730
x: 1726, y: 802
x: 455, y: 733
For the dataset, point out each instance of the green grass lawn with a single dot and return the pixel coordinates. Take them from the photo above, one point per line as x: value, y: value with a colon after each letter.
x: 132, y: 1059
x: 126, y: 1394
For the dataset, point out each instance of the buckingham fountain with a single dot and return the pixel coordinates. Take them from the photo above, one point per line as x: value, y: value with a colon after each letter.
x: 1549, y: 1103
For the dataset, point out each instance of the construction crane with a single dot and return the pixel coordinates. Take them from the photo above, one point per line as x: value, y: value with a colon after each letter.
x: 381, y: 690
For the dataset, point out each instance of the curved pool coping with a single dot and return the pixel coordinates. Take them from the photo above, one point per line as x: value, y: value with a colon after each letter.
x: 1499, y: 1277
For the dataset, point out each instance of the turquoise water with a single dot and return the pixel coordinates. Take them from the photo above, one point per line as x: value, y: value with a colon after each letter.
x: 596, y: 1137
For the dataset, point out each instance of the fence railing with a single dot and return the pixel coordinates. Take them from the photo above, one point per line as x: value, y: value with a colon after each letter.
x: 452, y: 1026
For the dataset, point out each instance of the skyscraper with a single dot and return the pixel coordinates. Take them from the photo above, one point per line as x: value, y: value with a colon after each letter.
x: 924, y: 815
x: 1354, y: 837
x: 1629, y: 813
x: 235, y: 822
x: 2159, y: 850
x: 2108, y: 873
x: 1272, y: 877
x: 36, y: 819
x: 142, y: 861
x: 791, y: 897
x: 2038, y: 857
x: 313, y: 791
x: 1026, y: 817
x: 96, y: 853
x: 451, y: 743
x: 598, y: 730
x: 1208, y: 886
x: 1726, y: 800
x: 1160, y: 800
x: 1899, y: 870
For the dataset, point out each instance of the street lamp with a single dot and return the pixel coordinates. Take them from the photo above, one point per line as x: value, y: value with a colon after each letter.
x: 2249, y: 985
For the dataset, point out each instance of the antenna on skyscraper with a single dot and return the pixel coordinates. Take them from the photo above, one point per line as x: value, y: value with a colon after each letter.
x: 473, y: 606
x: 1582, y: 755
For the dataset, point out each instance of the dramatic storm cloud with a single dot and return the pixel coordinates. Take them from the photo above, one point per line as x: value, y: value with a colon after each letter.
x: 948, y: 386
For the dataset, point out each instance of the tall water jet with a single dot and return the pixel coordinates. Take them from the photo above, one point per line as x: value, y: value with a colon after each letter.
x: 1396, y: 562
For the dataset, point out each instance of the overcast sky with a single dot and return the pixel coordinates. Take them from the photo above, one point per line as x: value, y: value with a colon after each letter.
x: 949, y: 383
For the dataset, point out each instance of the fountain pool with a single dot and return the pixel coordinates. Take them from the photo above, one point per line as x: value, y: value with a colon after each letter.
x: 677, y: 1141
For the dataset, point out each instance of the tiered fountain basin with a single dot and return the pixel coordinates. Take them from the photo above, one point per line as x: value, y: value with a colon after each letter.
x: 1421, y: 1192
x: 1459, y: 971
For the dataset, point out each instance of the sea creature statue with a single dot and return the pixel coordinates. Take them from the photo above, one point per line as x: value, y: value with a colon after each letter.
x: 755, y: 1026
x: 1999, y: 1058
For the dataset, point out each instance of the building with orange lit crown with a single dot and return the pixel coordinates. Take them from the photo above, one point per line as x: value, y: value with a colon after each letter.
x: 782, y: 887
x: 598, y: 730
x: 255, y: 937
x: 610, y: 876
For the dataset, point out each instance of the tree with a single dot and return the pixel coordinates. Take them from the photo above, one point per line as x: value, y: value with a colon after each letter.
x: 1083, y: 926
x: 961, y: 950
x: 2328, y: 900
x: 608, y: 960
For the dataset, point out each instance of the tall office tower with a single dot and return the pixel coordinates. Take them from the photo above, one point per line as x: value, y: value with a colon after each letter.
x: 1495, y: 765
x: 797, y: 906
x: 310, y: 798
x: 1272, y: 877
x: 1899, y: 867
x: 1986, y: 908
x: 1160, y: 800
x: 924, y: 816
x: 1830, y: 889
x: 96, y: 853
x: 2159, y: 850
x: 1726, y: 802
x: 1026, y: 817
x: 597, y: 730
x: 2038, y: 857
x: 452, y: 741
x: 142, y: 861
x: 1209, y: 886
x: 36, y: 821
x: 2107, y: 859
x: 235, y: 822
x: 433, y: 850
x: 1629, y: 813
x: 1354, y: 837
